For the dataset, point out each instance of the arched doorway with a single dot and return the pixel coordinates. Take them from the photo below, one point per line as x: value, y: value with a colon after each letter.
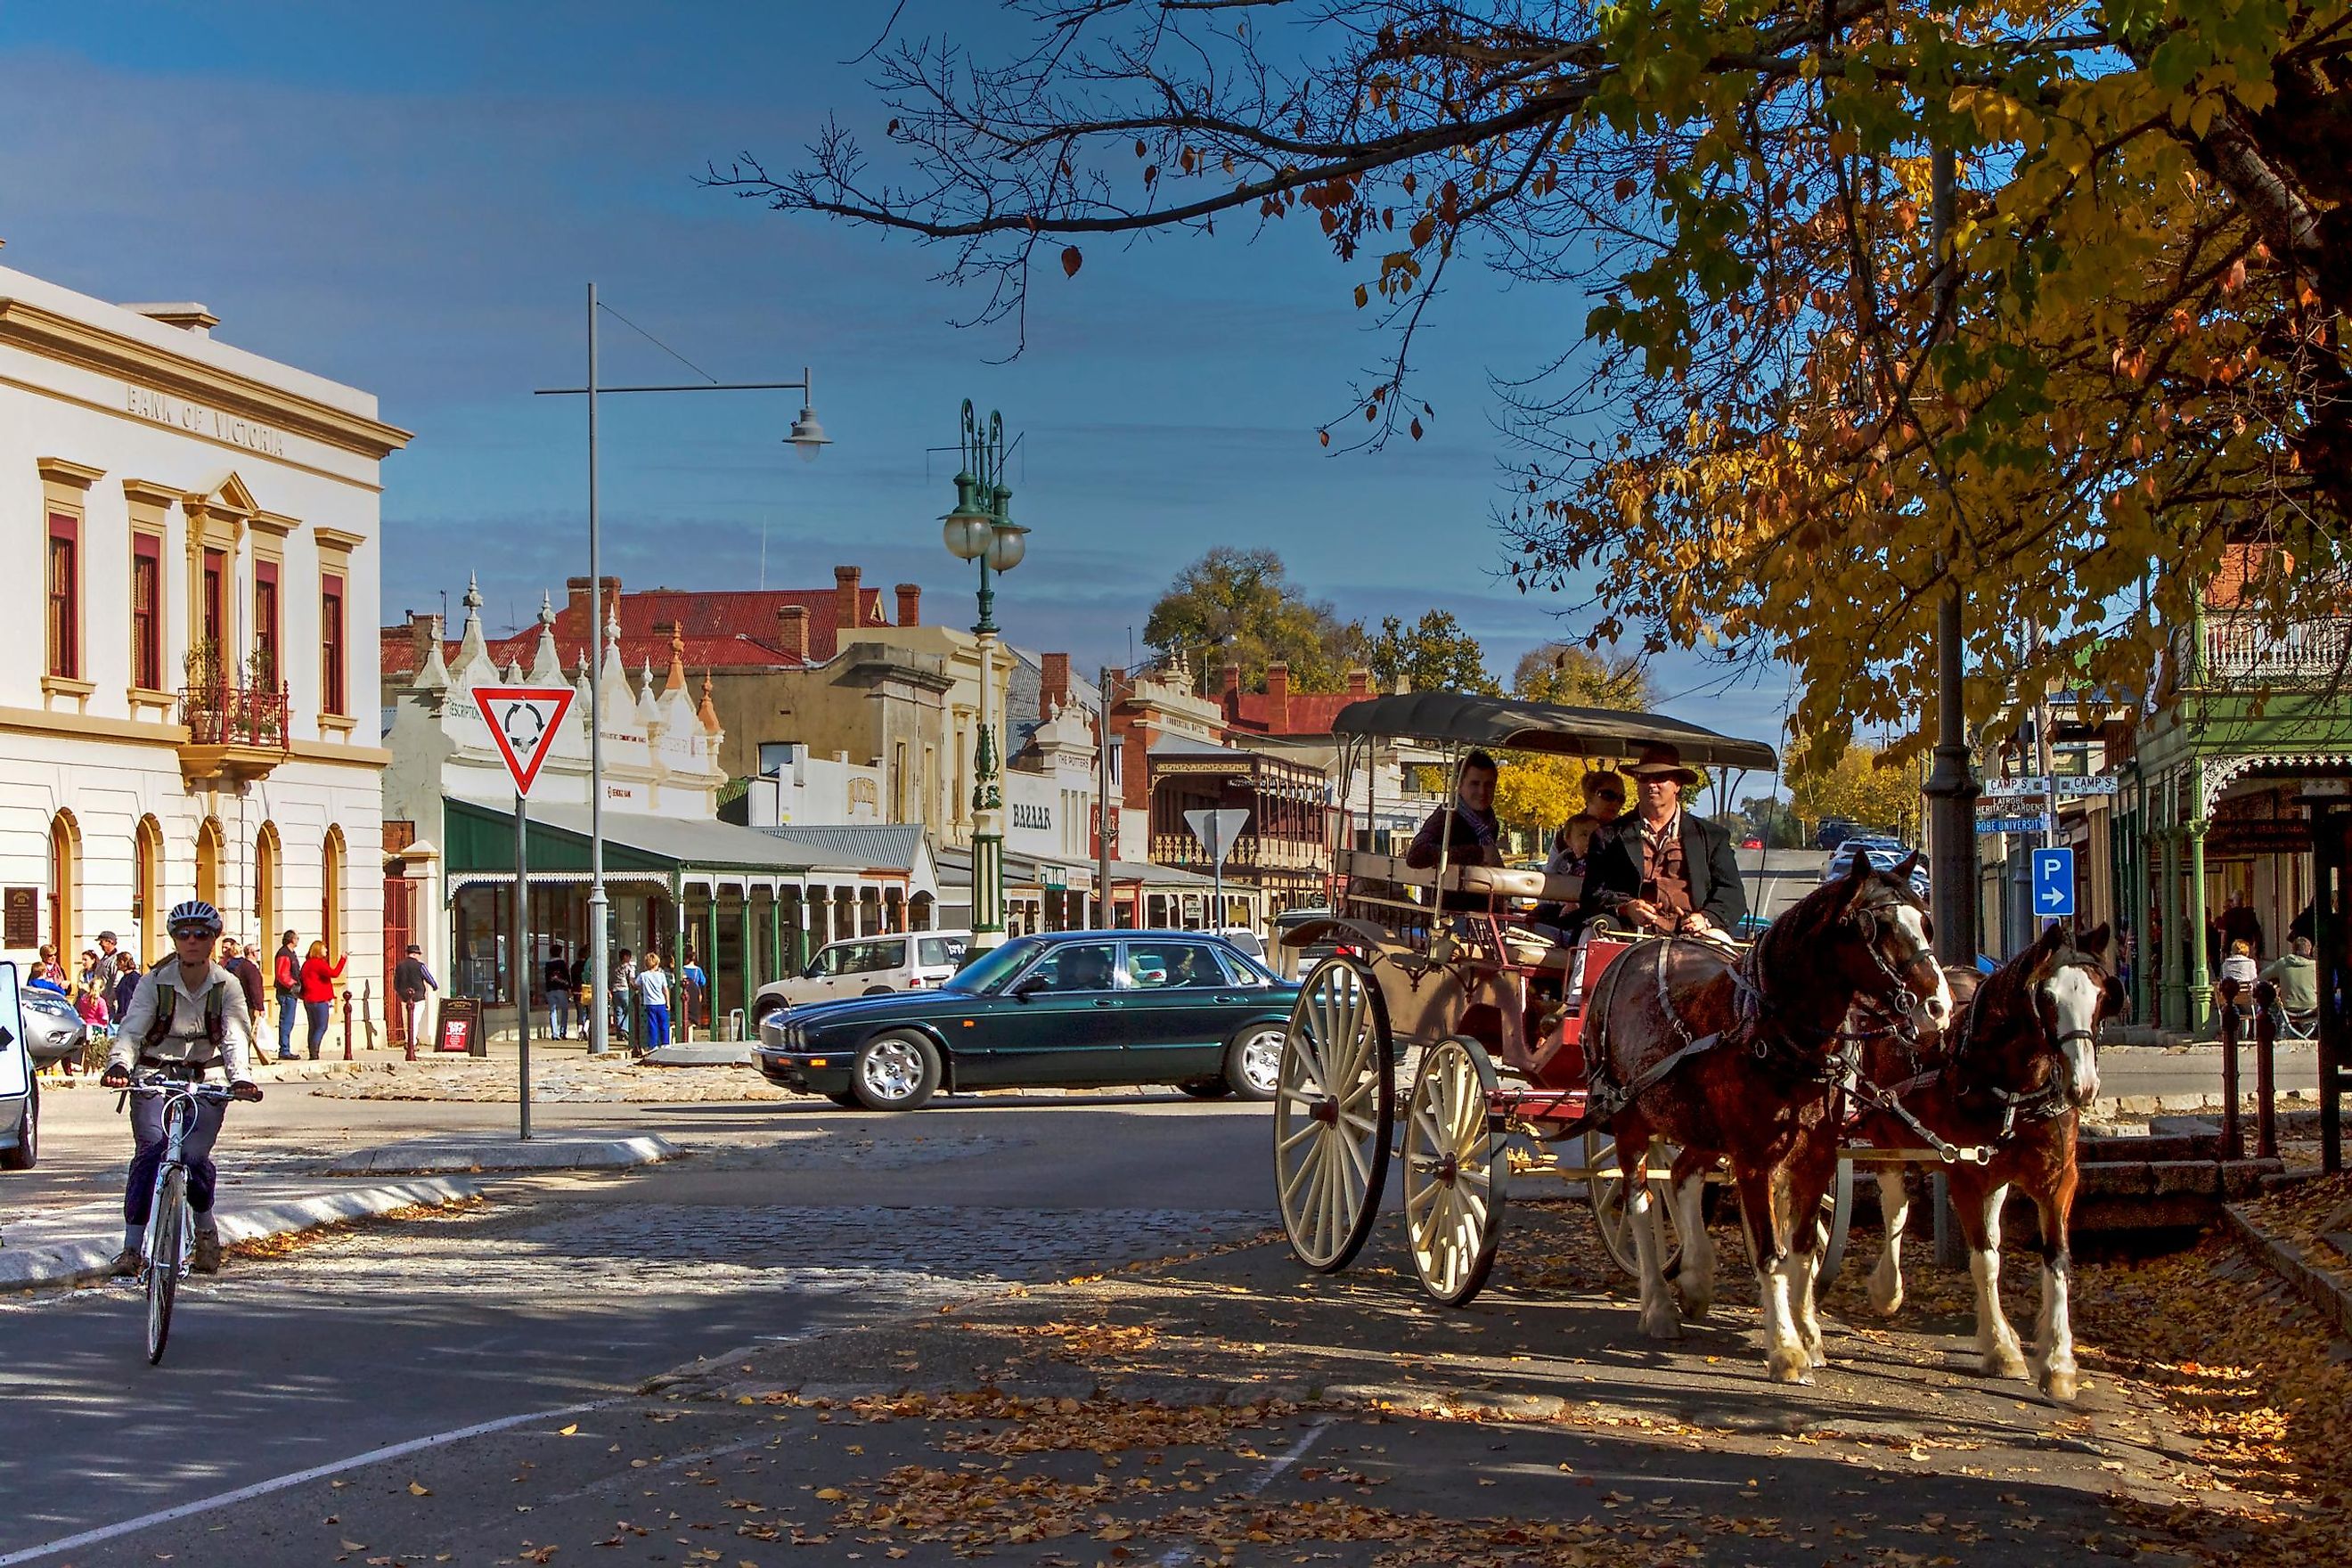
x: 147, y: 904
x: 64, y: 858
x: 208, y: 861
x: 266, y: 854
x: 330, y: 903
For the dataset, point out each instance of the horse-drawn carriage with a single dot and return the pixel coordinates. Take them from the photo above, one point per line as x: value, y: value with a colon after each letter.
x: 1666, y: 1064
x: 1448, y: 989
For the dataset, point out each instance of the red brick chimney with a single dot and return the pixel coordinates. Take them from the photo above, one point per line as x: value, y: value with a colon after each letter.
x: 845, y: 617
x: 1232, y: 681
x: 792, y: 631
x: 1053, y: 682
x: 1359, y: 682
x: 1277, y: 697
x: 910, y: 603
x: 573, y: 622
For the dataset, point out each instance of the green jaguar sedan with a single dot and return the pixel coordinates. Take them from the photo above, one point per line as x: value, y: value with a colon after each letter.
x: 1071, y: 1009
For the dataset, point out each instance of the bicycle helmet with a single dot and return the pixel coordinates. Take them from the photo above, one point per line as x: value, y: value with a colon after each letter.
x: 194, y: 912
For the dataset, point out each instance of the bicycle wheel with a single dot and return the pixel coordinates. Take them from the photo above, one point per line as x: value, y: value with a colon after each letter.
x: 166, y: 1237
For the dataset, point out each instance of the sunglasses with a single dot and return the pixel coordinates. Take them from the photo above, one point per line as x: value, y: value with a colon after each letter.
x: 192, y: 933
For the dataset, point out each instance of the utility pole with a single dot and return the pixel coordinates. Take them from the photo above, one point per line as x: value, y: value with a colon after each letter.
x: 1103, y: 807
x: 1951, y: 788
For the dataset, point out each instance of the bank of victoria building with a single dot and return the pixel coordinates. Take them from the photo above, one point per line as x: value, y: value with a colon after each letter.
x: 190, y: 696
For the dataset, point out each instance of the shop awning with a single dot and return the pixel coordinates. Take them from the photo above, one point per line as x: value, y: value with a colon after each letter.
x: 480, y: 846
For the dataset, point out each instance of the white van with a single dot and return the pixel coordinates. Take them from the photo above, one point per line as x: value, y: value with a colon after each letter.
x: 868, y: 966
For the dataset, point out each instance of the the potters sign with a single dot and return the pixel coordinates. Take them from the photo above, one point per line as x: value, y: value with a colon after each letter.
x: 523, y: 721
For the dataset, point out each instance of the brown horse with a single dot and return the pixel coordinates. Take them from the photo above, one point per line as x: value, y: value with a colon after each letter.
x: 1749, y: 1062
x: 2022, y: 1062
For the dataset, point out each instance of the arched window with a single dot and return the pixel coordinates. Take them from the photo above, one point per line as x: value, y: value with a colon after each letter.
x: 208, y: 861
x: 65, y: 860
x: 265, y: 856
x: 148, y: 905
x: 331, y: 911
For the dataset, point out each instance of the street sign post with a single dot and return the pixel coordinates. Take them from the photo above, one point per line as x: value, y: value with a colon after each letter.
x: 1218, y: 832
x: 2053, y: 882
x: 523, y: 723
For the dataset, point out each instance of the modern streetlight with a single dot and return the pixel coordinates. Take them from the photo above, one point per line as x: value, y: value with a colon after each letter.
x: 808, y: 438
x: 982, y: 529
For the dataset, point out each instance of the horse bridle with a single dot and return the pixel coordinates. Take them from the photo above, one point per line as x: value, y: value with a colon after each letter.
x: 2045, y: 1102
x: 1843, y: 1064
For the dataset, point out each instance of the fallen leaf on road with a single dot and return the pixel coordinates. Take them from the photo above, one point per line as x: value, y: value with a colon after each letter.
x: 567, y: 1431
x: 417, y: 1488
x: 830, y: 1494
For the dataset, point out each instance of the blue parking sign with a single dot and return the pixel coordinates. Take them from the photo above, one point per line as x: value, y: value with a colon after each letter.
x: 2053, y: 882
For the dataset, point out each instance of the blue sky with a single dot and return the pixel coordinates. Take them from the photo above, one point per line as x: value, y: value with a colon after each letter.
x: 413, y: 199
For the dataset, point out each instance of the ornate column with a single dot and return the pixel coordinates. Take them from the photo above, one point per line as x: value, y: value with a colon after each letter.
x: 2172, y: 1002
x: 2201, y: 977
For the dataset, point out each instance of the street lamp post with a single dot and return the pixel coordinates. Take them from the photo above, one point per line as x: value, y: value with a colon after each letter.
x: 807, y: 437
x: 981, y: 529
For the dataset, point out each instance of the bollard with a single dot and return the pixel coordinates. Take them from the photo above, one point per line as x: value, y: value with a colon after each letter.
x: 2233, y: 1135
x: 2265, y: 1075
x: 347, y: 1025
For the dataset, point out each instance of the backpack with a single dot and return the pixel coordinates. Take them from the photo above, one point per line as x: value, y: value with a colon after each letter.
x: 215, y: 1010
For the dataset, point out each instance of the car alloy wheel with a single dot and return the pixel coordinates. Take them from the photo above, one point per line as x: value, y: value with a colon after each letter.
x: 894, y: 1072
x: 1259, y: 1061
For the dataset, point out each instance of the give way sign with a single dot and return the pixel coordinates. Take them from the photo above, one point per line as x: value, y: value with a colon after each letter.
x: 523, y: 721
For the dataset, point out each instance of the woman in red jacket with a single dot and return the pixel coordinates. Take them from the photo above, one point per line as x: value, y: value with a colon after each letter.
x: 318, y: 991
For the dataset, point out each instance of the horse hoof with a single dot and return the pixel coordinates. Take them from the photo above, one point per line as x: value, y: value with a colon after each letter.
x: 1816, y: 1355
x: 1788, y: 1364
x: 1884, y: 1303
x: 2058, y: 1386
x: 1661, y: 1322
x: 2003, y: 1363
x: 1696, y: 1303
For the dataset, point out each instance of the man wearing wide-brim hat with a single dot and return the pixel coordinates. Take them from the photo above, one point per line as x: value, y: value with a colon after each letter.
x: 1662, y: 869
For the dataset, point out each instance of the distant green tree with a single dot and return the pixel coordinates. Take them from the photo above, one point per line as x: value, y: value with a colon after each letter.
x: 1575, y: 676
x: 1239, y: 606
x: 1434, y: 654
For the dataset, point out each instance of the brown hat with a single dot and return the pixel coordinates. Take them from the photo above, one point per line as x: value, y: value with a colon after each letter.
x: 1663, y: 759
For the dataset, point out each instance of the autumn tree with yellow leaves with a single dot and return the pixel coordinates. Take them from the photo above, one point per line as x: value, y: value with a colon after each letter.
x: 1789, y: 421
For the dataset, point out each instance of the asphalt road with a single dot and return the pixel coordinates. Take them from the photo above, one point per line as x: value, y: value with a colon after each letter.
x: 566, y: 1289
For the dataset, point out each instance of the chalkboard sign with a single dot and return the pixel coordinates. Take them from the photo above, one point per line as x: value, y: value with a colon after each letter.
x: 459, y: 1027
x: 24, y: 918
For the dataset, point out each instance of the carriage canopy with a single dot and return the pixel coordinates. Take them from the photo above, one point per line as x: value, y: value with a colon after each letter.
x: 1510, y: 723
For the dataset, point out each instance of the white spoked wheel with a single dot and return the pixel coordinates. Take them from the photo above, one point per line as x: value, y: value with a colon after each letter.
x: 1334, y: 1110
x: 1605, y: 1186
x: 1455, y: 1173
x: 1837, y: 1213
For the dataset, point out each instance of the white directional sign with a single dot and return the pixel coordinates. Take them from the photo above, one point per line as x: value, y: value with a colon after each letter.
x: 2004, y: 789
x: 2053, y: 882
x: 523, y: 721
x: 2096, y: 783
x: 15, y: 1058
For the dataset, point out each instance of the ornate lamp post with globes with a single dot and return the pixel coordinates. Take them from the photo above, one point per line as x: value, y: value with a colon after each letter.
x: 981, y: 529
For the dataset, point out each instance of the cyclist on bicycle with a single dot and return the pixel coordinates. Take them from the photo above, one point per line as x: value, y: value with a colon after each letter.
x: 187, y: 1017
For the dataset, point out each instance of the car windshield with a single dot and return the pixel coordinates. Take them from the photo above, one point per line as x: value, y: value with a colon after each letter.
x: 987, y: 972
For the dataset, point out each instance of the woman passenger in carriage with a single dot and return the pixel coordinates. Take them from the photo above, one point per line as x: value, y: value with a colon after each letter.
x: 1467, y: 829
x: 1664, y: 869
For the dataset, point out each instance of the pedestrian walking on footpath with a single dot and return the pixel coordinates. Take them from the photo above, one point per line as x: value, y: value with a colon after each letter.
x: 559, y: 989
x: 126, y: 983
x: 652, y: 988
x: 288, y: 981
x: 235, y: 959
x: 697, y: 986
x: 625, y: 986
x: 318, y: 991
x: 410, y: 983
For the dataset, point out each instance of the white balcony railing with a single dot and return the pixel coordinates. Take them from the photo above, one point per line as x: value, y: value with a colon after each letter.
x: 2239, y: 650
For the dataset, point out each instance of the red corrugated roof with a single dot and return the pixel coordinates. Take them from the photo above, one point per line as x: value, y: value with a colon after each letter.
x: 731, y: 613
x: 401, y: 658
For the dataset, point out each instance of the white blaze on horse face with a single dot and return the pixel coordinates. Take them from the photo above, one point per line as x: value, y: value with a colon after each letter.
x: 2075, y: 997
x: 1936, y: 1006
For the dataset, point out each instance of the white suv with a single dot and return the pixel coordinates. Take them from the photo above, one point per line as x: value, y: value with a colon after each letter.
x: 868, y: 966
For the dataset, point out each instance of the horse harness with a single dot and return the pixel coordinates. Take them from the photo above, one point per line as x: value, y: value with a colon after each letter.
x: 2045, y: 1103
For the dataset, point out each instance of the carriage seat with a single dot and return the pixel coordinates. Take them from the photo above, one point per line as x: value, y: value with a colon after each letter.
x: 1538, y: 947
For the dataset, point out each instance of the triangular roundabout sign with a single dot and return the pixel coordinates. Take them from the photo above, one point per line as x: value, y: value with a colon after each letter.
x: 523, y: 723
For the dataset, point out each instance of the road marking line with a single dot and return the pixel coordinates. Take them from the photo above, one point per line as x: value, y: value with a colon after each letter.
x: 262, y: 1488
x: 1258, y: 1483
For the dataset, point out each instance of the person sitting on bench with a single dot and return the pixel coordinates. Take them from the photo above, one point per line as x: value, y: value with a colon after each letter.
x: 1467, y: 831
